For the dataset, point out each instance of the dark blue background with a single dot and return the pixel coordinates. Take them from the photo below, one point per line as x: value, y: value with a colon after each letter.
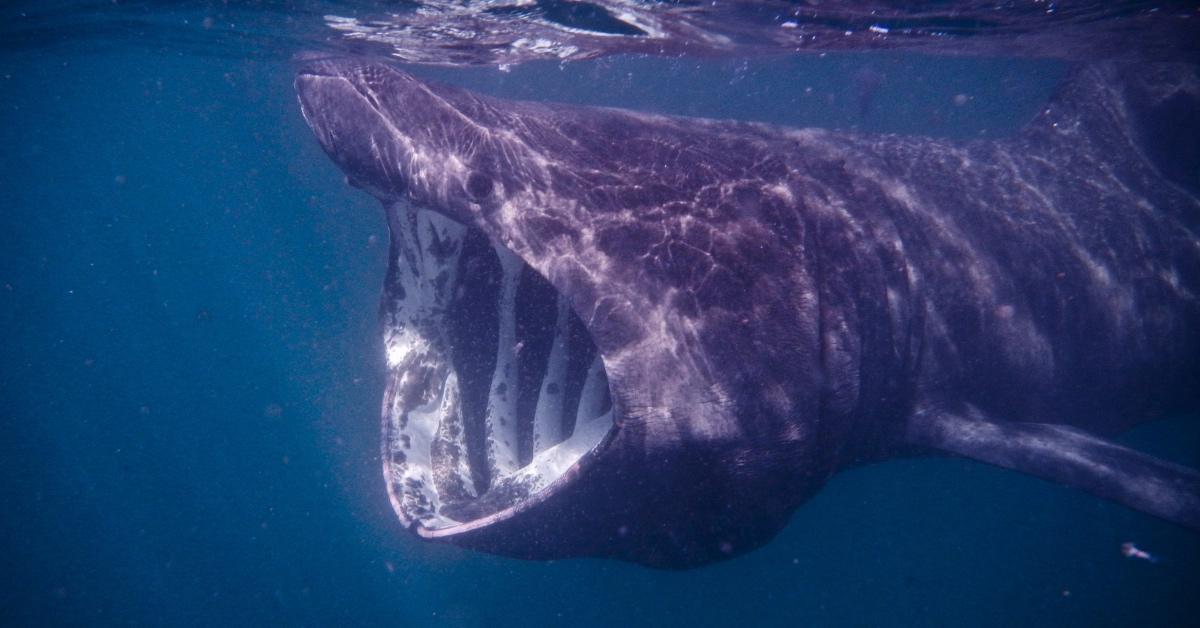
x: 191, y: 374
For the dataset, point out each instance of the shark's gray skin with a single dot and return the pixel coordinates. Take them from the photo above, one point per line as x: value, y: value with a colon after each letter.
x: 769, y: 305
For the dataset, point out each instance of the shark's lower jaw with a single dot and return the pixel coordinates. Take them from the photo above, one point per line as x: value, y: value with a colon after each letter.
x: 496, y: 393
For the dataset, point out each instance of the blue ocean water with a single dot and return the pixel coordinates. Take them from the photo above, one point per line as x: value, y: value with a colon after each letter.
x: 191, y: 377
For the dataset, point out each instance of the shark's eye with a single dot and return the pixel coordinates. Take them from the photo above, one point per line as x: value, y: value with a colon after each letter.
x: 479, y: 185
x: 496, y: 390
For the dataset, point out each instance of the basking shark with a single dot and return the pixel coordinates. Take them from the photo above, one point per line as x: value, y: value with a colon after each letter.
x: 651, y: 338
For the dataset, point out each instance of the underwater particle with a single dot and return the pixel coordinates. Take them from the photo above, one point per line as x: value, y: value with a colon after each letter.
x: 961, y: 99
x: 1129, y: 550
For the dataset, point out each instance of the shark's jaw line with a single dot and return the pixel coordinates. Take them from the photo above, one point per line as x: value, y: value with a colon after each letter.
x: 465, y: 445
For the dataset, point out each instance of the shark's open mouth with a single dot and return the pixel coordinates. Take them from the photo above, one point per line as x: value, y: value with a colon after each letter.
x: 496, y: 392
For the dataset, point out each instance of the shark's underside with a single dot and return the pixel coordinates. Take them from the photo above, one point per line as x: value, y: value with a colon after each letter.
x: 618, y: 334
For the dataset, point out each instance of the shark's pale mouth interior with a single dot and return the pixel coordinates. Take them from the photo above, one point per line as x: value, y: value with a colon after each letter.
x: 495, y: 389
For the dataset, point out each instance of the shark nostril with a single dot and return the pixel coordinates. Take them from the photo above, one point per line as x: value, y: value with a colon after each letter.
x: 479, y: 185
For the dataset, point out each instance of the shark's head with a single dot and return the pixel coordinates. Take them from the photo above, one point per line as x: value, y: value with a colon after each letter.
x: 601, y: 325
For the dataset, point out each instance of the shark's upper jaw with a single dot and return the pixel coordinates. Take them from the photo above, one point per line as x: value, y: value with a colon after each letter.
x: 496, y: 393
x: 495, y: 390
x: 342, y: 104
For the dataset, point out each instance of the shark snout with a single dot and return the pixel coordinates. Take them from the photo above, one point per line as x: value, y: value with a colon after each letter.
x: 351, y: 130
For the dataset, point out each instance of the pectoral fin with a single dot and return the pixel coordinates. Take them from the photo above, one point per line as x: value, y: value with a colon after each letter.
x: 1067, y: 456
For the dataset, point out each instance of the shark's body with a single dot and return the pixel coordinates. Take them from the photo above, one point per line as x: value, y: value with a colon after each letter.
x: 769, y: 306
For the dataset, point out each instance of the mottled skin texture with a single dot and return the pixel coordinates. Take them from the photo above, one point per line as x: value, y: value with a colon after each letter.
x: 773, y: 305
